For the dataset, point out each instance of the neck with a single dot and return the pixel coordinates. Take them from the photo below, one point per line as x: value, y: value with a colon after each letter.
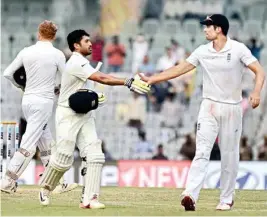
x: 80, y: 53
x: 219, y: 43
x: 45, y: 40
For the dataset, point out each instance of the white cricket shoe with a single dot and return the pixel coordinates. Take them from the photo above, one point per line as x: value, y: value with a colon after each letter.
x: 225, y: 206
x: 94, y: 204
x: 44, y: 197
x: 8, y: 185
x: 62, y: 188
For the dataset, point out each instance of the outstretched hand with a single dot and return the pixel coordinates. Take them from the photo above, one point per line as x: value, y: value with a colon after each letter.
x: 144, y: 78
x: 137, y: 85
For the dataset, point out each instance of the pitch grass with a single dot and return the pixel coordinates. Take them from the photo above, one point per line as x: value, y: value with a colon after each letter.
x: 130, y: 202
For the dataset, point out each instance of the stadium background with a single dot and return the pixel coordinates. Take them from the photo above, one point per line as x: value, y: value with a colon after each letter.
x: 153, y: 35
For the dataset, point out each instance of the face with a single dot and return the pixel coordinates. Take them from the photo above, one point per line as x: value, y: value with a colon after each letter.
x: 169, y: 52
x: 160, y: 150
x: 211, y: 32
x: 146, y: 59
x: 85, y: 46
x: 115, y: 39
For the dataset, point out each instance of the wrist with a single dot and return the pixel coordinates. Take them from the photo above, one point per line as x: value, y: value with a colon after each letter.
x: 128, y: 82
x: 257, y: 91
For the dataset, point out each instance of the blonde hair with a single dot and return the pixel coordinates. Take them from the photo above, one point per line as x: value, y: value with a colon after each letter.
x: 47, y: 29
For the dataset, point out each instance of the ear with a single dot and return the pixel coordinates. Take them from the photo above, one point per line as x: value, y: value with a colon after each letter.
x: 219, y: 29
x: 76, y: 46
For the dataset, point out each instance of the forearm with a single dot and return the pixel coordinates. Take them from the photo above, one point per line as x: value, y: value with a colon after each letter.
x: 171, y: 73
x: 111, y: 80
x: 12, y: 68
x: 259, y: 76
x: 8, y: 74
x: 259, y: 81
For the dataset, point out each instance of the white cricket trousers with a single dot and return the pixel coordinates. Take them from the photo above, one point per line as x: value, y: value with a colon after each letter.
x: 74, y: 129
x: 225, y: 121
x: 37, y: 111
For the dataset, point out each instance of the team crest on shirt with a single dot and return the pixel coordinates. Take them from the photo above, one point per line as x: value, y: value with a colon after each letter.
x: 228, y: 57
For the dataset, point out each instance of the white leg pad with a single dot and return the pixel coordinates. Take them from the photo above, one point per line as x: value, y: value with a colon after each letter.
x: 60, y: 162
x: 92, y: 179
x: 19, y: 163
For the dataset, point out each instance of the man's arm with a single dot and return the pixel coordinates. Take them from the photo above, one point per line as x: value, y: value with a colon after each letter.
x: 106, y: 79
x: 11, y: 69
x: 61, y: 63
x: 134, y: 84
x: 259, y: 81
x: 170, y: 73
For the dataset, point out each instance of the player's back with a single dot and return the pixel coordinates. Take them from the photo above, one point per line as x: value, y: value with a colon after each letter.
x: 41, y: 62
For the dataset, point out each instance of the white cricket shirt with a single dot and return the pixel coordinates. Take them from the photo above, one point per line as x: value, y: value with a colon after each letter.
x: 223, y: 70
x: 75, y: 76
x: 41, y: 61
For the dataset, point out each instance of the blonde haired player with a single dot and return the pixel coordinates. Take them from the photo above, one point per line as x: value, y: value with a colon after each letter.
x: 41, y: 63
x: 222, y: 62
x: 77, y: 126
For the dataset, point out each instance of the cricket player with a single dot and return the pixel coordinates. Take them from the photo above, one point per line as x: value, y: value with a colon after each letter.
x: 222, y: 61
x: 75, y: 122
x: 41, y: 63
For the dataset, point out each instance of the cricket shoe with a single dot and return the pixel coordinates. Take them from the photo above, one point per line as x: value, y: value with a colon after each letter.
x: 225, y: 206
x: 94, y: 204
x: 188, y: 203
x: 62, y: 188
x: 44, y: 197
x: 8, y: 186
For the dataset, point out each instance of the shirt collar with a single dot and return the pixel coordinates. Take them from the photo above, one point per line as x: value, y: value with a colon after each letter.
x: 227, y: 46
x: 79, y: 55
x: 44, y: 43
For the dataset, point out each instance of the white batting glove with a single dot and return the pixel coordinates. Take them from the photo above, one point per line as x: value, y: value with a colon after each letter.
x: 137, y: 85
x: 101, y: 99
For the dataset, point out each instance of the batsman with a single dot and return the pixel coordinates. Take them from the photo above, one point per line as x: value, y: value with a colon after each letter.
x: 75, y: 122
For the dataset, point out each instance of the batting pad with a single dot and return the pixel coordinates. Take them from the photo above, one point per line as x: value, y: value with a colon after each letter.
x: 92, y: 179
x: 19, y: 163
x: 51, y: 177
x: 60, y: 162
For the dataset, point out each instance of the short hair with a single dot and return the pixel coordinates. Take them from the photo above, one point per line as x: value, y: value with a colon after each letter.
x: 160, y: 146
x: 47, y: 29
x: 76, y: 37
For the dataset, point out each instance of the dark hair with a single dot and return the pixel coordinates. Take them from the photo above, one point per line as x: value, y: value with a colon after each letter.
x: 75, y: 37
x: 142, y: 135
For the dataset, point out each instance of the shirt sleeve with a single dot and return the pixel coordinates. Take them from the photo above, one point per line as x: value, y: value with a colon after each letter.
x: 61, y: 63
x: 84, y: 71
x: 194, y: 57
x: 246, y: 55
x: 11, y: 69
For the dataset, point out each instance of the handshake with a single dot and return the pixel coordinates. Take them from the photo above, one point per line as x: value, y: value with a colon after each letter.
x: 134, y: 84
x: 137, y: 85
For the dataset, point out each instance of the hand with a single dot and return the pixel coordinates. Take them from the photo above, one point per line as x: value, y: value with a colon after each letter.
x: 101, y: 99
x: 137, y: 85
x: 144, y: 78
x: 254, y: 99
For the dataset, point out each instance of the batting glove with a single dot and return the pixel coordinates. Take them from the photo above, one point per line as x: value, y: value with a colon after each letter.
x: 137, y: 85
x: 101, y: 99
